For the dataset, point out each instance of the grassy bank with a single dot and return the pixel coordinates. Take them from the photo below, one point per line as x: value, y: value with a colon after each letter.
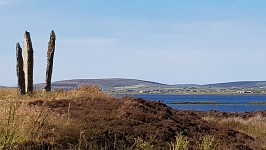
x: 196, y: 103
x: 257, y: 103
x: 217, y: 103
x: 25, y: 125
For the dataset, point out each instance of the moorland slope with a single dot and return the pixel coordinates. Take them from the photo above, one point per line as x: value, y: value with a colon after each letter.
x: 86, y: 118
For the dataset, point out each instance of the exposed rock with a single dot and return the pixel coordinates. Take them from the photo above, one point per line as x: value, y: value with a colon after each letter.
x: 28, y: 63
x: 20, y: 72
x: 50, y: 57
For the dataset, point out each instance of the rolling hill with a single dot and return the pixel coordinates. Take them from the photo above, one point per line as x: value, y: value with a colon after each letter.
x: 240, y: 84
x: 119, y: 82
x: 104, y: 83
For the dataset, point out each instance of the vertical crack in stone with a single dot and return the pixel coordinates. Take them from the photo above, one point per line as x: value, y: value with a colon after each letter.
x: 50, y: 57
x: 20, y: 72
x: 28, y: 63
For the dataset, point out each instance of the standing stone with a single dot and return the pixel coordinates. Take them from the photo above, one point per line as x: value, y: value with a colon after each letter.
x: 20, y: 72
x: 50, y: 58
x: 28, y: 63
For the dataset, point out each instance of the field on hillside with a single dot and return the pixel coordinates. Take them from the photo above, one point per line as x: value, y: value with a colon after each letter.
x: 86, y: 118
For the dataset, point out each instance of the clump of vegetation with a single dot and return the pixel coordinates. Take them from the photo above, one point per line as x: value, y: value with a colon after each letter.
x: 254, y: 126
x: 87, y: 91
x: 208, y: 142
x: 21, y: 122
x: 141, y: 144
x: 8, y: 124
x: 181, y: 143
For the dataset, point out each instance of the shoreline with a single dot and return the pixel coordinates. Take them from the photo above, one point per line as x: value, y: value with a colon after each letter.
x: 198, y: 93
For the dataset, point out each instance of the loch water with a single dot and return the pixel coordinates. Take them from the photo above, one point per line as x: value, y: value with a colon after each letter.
x: 227, y: 103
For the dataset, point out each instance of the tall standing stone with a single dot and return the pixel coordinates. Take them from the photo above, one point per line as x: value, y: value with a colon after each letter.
x: 20, y: 72
x: 28, y: 63
x: 50, y: 58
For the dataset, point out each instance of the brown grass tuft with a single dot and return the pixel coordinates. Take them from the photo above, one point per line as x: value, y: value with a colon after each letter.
x: 21, y: 122
x: 254, y: 126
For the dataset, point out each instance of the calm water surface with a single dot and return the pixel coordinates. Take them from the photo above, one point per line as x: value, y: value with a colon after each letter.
x: 238, y: 103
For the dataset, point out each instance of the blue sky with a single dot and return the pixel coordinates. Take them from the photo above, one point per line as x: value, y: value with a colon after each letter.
x: 167, y: 41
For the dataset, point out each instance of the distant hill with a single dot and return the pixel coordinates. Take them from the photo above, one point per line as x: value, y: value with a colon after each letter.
x: 241, y: 84
x: 104, y: 83
x: 118, y: 82
x: 186, y: 85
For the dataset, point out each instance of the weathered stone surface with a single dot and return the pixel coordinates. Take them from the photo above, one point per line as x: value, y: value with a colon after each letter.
x: 20, y: 72
x: 50, y: 58
x: 28, y: 63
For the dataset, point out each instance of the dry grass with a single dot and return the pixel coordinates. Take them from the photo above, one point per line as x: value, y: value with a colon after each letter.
x: 87, y: 91
x: 21, y: 123
x: 7, y: 93
x: 208, y: 142
x: 141, y: 144
x: 181, y: 143
x: 254, y: 126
